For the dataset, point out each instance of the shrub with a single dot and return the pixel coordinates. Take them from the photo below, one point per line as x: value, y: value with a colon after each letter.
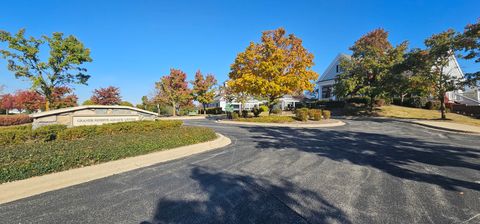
x: 264, y: 108
x: 312, y: 112
x: 276, y: 111
x: 379, y: 102
x: 53, y: 132
x: 326, y: 114
x: 244, y: 113
x: 33, y: 159
x: 268, y: 119
x: 415, y: 102
x: 432, y: 105
x: 212, y: 110
x: 317, y: 115
x: 8, y: 120
x: 301, y: 114
x: 235, y: 115
x: 359, y: 100
x: 335, y: 104
x: 78, y: 133
x: 257, y: 111
x: 47, y: 133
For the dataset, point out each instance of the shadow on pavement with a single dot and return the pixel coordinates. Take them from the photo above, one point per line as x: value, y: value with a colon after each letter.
x: 236, y: 198
x: 397, y: 156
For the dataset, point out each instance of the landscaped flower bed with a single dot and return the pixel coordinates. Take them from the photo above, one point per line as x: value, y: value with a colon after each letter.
x: 268, y: 119
x: 20, y: 160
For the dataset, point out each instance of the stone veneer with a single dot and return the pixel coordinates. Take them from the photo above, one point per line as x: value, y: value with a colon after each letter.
x: 91, y: 115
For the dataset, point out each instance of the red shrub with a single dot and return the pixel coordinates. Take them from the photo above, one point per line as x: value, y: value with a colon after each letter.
x: 7, y: 120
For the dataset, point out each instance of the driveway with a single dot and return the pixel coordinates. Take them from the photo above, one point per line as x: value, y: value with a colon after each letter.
x: 368, y: 171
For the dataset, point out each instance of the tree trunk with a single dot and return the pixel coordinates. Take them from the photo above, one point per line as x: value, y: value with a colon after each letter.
x: 174, y: 109
x: 442, y: 106
x: 204, y: 109
x: 158, y: 109
x: 372, y: 102
x: 47, y: 105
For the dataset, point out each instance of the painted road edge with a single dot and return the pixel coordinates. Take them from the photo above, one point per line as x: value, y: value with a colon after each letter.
x: 15, y: 190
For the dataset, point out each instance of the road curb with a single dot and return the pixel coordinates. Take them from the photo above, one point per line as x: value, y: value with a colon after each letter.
x: 12, y: 191
x: 289, y: 125
x: 444, y: 128
x: 183, y: 118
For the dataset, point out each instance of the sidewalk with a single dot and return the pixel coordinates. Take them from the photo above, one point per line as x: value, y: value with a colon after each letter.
x: 449, y: 126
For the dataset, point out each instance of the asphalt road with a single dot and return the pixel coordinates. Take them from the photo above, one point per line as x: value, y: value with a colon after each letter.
x: 368, y: 171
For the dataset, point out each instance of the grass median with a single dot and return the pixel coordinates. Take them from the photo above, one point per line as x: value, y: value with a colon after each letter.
x: 24, y: 160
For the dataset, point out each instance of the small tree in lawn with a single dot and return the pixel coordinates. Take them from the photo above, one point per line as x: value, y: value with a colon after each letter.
x: 372, y: 60
x: 63, y: 66
x: 173, y: 89
x: 469, y: 41
x: 106, y: 96
x: 7, y: 103
x: 277, y: 66
x: 434, y: 64
x: 203, y: 89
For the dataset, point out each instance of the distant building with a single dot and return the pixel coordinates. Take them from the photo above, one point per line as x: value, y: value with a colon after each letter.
x: 284, y: 103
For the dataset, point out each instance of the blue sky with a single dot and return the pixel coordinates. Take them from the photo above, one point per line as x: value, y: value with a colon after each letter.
x: 134, y: 43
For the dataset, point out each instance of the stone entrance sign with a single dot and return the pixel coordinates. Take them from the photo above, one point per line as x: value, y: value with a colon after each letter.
x: 91, y: 115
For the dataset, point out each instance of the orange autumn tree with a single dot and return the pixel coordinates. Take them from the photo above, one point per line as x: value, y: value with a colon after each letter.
x: 276, y: 66
x: 173, y: 89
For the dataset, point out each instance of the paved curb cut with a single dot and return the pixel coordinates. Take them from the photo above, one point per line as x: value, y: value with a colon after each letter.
x: 12, y: 191
x: 295, y: 125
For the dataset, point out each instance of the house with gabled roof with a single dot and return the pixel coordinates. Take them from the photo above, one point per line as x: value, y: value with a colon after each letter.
x: 324, y: 85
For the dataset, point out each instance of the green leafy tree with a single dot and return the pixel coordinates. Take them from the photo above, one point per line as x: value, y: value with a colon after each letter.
x: 203, y: 89
x: 126, y: 103
x: 373, y: 58
x: 276, y: 66
x: 402, y: 81
x: 88, y: 102
x: 63, y: 66
x: 173, y: 90
x: 469, y: 42
x: 433, y: 64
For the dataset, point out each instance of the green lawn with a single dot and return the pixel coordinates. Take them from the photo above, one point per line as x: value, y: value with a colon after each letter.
x: 424, y: 114
x: 24, y: 160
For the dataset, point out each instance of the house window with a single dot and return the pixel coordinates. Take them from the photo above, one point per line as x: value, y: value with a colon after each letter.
x: 326, y: 92
x: 339, y: 69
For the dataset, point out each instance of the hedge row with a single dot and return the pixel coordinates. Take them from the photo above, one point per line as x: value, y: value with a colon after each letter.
x: 417, y: 102
x: 29, y: 159
x: 53, y: 132
x: 8, y: 120
x: 212, y: 110
x: 303, y: 114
